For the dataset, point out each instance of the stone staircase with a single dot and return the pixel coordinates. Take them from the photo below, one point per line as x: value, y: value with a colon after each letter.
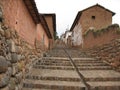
x: 56, y: 72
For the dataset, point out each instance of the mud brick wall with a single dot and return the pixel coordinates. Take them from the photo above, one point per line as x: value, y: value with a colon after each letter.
x: 16, y: 57
x: 102, y: 18
x: 94, y: 38
x: 17, y: 16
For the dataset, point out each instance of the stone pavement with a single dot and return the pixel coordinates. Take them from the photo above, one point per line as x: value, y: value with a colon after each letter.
x: 56, y: 72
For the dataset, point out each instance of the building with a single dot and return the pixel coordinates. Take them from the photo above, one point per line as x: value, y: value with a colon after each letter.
x: 64, y: 37
x: 23, y: 16
x: 94, y: 17
x: 43, y: 34
x: 51, y: 22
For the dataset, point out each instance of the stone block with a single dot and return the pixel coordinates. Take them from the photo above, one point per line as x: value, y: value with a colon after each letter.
x: 2, y: 32
x: 4, y: 81
x: 19, y: 49
x: 3, y: 64
x: 9, y: 71
x: 14, y: 58
x: 11, y: 45
x: 18, y: 77
x: 7, y: 34
x: 14, y: 69
x: 8, y: 56
x: 12, y: 84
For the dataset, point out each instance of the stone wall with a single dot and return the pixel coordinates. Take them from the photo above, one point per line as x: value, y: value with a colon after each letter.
x: 94, y: 38
x: 16, y: 58
x: 109, y: 53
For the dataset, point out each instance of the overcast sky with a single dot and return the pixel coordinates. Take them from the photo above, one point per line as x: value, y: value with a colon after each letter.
x: 66, y: 10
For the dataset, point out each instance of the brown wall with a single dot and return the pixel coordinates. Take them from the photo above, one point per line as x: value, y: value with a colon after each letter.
x: 91, y: 41
x: 102, y: 19
x: 41, y: 36
x: 17, y: 17
x: 49, y: 20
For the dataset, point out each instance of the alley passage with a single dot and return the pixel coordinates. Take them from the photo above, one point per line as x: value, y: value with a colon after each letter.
x: 56, y: 71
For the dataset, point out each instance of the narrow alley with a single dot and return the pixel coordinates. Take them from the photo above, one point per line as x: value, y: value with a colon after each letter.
x: 38, y: 51
x: 71, y: 69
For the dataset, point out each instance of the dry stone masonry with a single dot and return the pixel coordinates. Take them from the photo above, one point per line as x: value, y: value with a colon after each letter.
x: 16, y: 57
x: 110, y: 53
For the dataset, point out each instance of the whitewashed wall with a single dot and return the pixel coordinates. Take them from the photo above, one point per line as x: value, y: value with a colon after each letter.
x: 77, y: 35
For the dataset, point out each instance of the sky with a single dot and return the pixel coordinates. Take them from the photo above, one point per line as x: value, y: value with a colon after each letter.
x: 66, y: 10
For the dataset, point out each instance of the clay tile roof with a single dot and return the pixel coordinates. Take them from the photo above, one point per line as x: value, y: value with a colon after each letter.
x: 45, y: 26
x: 80, y: 13
x: 31, y: 6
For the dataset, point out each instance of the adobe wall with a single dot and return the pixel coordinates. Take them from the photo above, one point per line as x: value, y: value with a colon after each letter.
x: 93, y: 39
x: 42, y: 37
x: 102, y: 19
x: 49, y: 21
x: 17, y: 16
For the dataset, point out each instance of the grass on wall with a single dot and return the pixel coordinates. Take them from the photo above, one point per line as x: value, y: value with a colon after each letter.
x: 103, y: 30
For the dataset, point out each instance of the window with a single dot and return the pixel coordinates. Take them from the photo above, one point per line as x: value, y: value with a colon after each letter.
x: 93, y: 17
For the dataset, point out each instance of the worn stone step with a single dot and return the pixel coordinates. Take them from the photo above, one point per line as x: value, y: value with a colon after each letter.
x: 56, y: 64
x: 53, y: 67
x: 72, y: 68
x: 91, y: 64
x: 36, y: 77
x: 69, y: 64
x: 57, y: 85
x: 55, y: 73
x: 67, y: 61
x: 94, y: 67
x: 66, y: 58
x: 108, y: 85
x: 88, y: 61
x: 100, y: 75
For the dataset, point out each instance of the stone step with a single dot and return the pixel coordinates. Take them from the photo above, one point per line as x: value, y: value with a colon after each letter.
x: 66, y: 58
x: 94, y: 67
x: 69, y: 64
x: 57, y: 85
x: 37, y: 77
x: 108, y: 85
x: 53, y: 67
x: 72, y: 68
x: 67, y: 61
x: 34, y: 89
x: 56, y: 64
x: 88, y: 61
x: 55, y: 73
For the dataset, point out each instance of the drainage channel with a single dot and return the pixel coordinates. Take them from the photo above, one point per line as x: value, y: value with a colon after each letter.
x: 77, y: 70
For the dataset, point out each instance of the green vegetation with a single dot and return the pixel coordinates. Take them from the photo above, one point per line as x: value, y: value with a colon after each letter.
x: 103, y: 30
x: 56, y: 36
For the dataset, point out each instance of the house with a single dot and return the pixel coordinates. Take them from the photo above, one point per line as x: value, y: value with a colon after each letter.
x: 94, y: 17
x: 65, y: 36
x: 43, y: 34
x: 62, y: 37
x: 51, y: 22
x: 23, y: 16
